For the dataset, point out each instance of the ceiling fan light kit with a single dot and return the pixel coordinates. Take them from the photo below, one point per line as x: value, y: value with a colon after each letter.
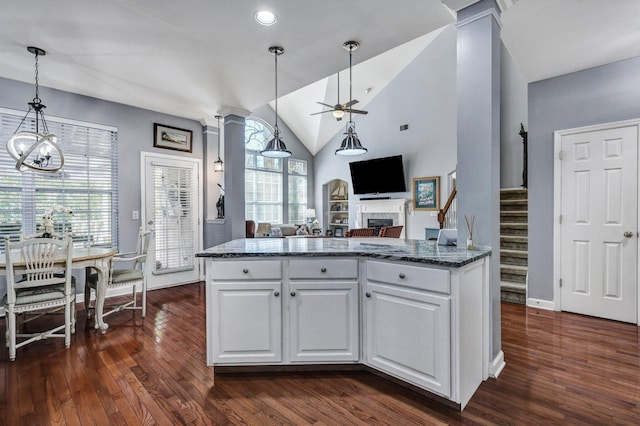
x: 275, y: 147
x: 351, y: 144
x: 47, y: 155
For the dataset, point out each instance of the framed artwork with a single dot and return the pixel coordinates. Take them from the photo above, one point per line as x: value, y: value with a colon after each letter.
x: 426, y: 193
x: 172, y: 138
x: 339, y: 232
x: 329, y: 233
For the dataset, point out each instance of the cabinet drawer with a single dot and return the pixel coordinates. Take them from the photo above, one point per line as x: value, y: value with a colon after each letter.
x: 246, y: 269
x: 318, y: 268
x: 418, y: 277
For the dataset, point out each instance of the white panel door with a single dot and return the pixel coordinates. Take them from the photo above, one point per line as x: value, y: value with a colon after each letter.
x: 599, y: 208
x: 173, y: 208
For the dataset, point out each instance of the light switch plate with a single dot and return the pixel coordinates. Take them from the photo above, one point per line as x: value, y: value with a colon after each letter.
x: 135, y: 215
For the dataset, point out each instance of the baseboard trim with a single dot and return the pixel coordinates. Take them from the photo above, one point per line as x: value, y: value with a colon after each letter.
x: 548, y: 305
x: 497, y: 366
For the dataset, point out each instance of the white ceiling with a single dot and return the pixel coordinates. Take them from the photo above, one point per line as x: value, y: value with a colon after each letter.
x: 194, y: 58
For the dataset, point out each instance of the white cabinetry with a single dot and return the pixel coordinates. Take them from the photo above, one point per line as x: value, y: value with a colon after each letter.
x: 323, y: 310
x: 244, y: 316
x: 408, y: 324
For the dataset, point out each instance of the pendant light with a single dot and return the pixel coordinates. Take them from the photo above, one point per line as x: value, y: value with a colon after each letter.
x: 276, y: 147
x: 218, y: 164
x: 351, y: 144
x: 35, y: 150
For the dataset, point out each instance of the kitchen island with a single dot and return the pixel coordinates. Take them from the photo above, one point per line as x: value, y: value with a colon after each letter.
x: 410, y: 309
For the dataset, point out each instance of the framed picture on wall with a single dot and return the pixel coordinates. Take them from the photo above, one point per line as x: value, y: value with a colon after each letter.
x: 172, y: 138
x: 426, y: 193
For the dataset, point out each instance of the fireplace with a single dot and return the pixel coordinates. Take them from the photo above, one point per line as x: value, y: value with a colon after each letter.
x: 382, y: 212
x: 378, y: 223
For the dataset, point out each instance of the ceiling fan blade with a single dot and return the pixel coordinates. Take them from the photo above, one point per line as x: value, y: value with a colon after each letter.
x: 321, y: 112
x: 351, y: 102
x: 356, y: 111
x: 327, y: 105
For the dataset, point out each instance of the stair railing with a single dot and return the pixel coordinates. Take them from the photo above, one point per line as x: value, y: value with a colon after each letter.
x: 448, y: 215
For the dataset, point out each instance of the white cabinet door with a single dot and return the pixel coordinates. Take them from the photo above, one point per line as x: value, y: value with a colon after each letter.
x: 407, y: 335
x: 247, y: 322
x: 323, y: 321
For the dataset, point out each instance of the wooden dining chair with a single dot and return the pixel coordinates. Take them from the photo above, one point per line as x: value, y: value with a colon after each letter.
x: 361, y: 232
x: 135, y: 275
x: 38, y: 279
x: 32, y: 316
x: 391, y: 231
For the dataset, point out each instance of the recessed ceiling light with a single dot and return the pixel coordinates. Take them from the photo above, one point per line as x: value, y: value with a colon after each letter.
x: 264, y: 17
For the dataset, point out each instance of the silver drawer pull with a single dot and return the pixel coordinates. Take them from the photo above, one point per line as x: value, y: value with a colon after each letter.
x: 323, y: 270
x: 276, y: 294
x: 367, y: 294
x: 293, y: 294
x: 246, y: 271
x: 402, y: 276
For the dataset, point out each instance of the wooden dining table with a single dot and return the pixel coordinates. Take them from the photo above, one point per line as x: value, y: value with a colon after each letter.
x: 89, y: 258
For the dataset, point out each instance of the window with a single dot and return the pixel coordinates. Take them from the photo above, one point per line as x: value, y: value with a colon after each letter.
x: 297, y: 190
x: 87, y: 184
x: 265, y: 183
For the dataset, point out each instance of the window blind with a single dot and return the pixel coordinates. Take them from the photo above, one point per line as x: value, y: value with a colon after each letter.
x: 87, y: 184
x: 173, y: 218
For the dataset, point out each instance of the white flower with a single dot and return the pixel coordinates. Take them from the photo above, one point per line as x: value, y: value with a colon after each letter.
x: 47, y: 218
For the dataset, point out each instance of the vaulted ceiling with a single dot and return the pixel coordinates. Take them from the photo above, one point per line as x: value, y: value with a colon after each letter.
x: 195, y: 58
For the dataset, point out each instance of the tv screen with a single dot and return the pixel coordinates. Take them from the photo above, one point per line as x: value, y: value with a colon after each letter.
x: 378, y: 175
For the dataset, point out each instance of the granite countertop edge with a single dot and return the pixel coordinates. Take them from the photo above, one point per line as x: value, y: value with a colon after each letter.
x: 463, y: 257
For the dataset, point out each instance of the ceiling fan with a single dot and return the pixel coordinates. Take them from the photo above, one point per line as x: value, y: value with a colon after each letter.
x: 339, y: 109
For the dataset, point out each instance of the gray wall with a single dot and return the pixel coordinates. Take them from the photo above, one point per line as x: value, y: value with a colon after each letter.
x: 602, y: 94
x: 423, y: 96
x: 513, y: 111
x: 135, y: 134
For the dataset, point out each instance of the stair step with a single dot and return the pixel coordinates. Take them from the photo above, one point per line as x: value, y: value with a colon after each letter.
x: 513, y: 273
x: 513, y: 260
x: 510, y: 242
x: 513, y: 292
x: 513, y: 194
x: 511, y: 228
x: 514, y: 206
x: 514, y: 216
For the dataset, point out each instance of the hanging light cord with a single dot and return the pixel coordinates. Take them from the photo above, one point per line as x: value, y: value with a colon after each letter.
x: 350, y: 90
x: 276, y: 54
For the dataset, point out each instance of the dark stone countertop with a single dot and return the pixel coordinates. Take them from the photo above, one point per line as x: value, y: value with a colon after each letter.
x: 418, y: 251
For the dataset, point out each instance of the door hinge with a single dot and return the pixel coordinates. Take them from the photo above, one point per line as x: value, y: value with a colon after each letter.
x: 560, y: 219
x: 560, y: 282
x: 560, y: 155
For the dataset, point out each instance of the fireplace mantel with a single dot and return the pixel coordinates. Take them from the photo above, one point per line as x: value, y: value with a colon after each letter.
x: 382, y: 209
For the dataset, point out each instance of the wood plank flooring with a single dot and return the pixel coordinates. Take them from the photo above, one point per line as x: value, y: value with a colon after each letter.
x: 561, y: 369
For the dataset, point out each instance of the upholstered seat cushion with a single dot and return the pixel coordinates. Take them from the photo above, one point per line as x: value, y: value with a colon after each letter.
x: 29, y: 296
x: 119, y: 276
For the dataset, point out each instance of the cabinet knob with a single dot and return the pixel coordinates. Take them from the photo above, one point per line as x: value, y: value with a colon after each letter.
x: 402, y: 276
x: 323, y: 269
x: 246, y: 271
x: 276, y: 294
x: 367, y: 294
x: 293, y: 294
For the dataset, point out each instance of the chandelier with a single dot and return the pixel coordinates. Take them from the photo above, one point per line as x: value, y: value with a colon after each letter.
x: 36, y: 150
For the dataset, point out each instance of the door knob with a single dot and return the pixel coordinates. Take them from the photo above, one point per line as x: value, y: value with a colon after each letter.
x: 150, y: 222
x: 628, y: 234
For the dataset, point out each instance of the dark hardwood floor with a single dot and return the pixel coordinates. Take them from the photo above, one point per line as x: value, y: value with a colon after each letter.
x: 561, y: 369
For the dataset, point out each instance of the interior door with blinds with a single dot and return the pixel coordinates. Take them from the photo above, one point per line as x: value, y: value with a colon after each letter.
x: 172, y: 200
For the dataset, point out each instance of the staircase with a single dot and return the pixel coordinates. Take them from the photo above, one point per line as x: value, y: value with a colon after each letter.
x: 513, y: 245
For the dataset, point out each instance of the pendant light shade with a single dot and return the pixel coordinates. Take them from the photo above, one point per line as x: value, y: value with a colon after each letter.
x: 35, y: 149
x: 351, y: 144
x: 218, y: 165
x: 275, y: 147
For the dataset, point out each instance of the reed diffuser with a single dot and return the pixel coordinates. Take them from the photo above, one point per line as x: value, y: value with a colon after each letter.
x: 470, y: 220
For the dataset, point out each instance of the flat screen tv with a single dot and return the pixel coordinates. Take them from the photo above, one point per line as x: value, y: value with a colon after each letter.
x: 378, y: 176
